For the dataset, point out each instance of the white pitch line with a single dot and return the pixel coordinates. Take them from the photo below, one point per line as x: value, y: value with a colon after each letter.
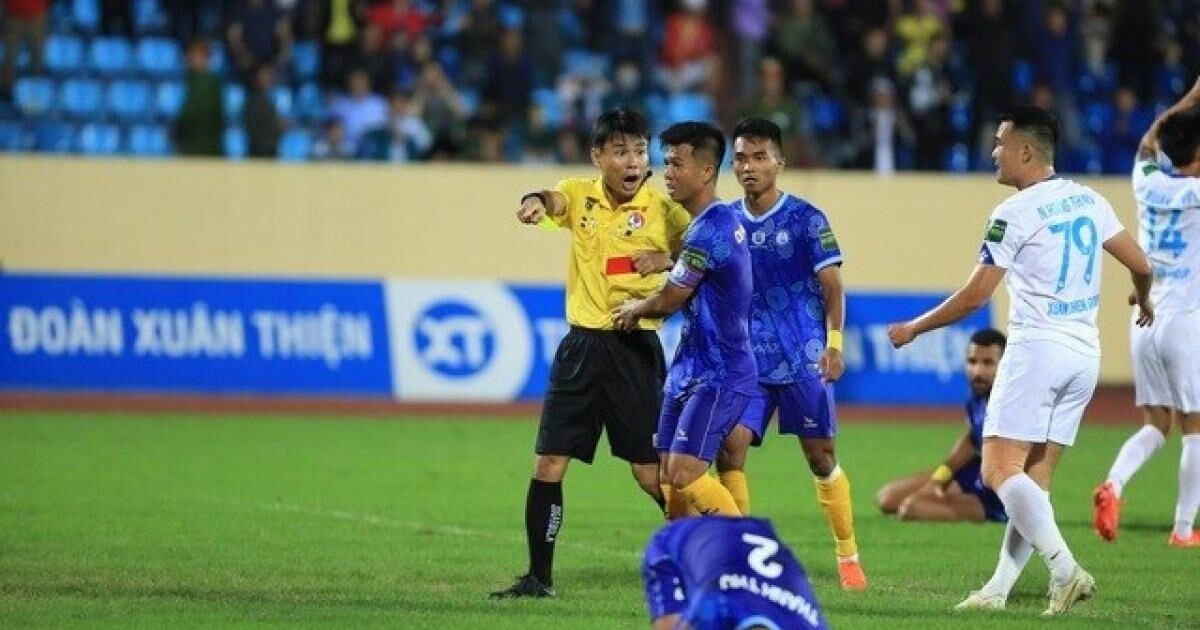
x: 445, y: 530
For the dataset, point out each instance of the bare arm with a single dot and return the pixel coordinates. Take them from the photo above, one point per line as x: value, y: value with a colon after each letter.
x: 831, y: 363
x: 974, y: 294
x: 1128, y: 253
x: 667, y: 300
x: 1149, y: 142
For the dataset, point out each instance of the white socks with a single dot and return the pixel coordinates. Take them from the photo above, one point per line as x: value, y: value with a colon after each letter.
x: 1134, y: 454
x: 1014, y: 553
x: 1030, y: 511
x: 1189, y: 486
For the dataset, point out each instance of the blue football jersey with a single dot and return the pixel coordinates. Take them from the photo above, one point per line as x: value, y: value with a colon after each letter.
x: 714, y: 346
x: 720, y: 572
x: 789, y: 244
x: 976, y: 412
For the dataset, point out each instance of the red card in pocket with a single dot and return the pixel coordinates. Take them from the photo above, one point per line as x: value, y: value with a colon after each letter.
x: 618, y: 265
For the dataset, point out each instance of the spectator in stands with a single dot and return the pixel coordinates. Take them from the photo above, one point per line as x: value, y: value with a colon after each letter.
x: 510, y: 79
x: 544, y: 40
x: 930, y: 92
x: 875, y: 62
x: 25, y: 22
x: 485, y: 133
x: 259, y: 33
x: 263, y: 125
x: 444, y: 112
x: 478, y: 36
x: 916, y: 30
x: 688, y: 50
x: 198, y: 130
x: 332, y: 144
x: 1137, y: 25
x: 394, y: 16
x: 409, y: 137
x: 774, y: 104
x: 359, y: 110
x: 629, y: 26
x: 751, y: 23
x: 991, y: 50
x: 408, y: 57
x: 188, y: 19
x: 376, y: 58
x: 337, y: 24
x: 803, y: 43
x: 540, y: 138
x: 628, y: 89
x: 1123, y: 135
x: 116, y: 18
x: 882, y: 130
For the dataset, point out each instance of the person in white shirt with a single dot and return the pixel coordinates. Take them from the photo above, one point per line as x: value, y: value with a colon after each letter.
x: 1166, y: 358
x: 1045, y: 242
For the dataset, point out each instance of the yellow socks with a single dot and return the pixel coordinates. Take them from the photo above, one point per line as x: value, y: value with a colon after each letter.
x: 735, y: 482
x: 833, y: 492
x: 710, y: 497
x: 677, y: 504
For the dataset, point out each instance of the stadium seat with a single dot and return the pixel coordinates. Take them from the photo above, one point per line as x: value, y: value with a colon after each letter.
x: 85, y: 15
x: 295, y: 145
x: 148, y: 17
x: 1022, y: 77
x: 168, y: 99
x: 53, y: 137
x: 547, y: 100
x: 34, y: 96
x: 110, y: 56
x: 827, y: 113
x: 99, y: 139
x: 129, y: 100
x: 64, y: 54
x: 309, y: 103
x: 470, y: 99
x: 82, y: 98
x: 216, y: 58
x: 1097, y: 117
x: 960, y: 116
x: 234, y: 96
x: 281, y: 96
x: 689, y: 106
x: 236, y: 144
x: 306, y: 61
x: 148, y: 141
x: 12, y: 136
x: 958, y: 158
x: 159, y: 58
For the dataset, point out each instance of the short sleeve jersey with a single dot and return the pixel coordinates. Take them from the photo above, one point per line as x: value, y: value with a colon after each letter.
x: 789, y: 244
x: 1169, y: 232
x: 714, y: 347
x: 1050, y: 239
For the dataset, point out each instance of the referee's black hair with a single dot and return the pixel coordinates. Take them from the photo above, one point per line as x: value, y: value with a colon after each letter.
x: 619, y: 122
x: 759, y: 129
x: 1036, y: 123
x: 985, y: 337
x: 1179, y: 136
x: 701, y: 136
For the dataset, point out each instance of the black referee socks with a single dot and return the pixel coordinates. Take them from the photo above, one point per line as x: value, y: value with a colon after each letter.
x: 543, y: 519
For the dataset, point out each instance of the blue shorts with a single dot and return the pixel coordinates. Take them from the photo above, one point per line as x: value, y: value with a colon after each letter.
x: 971, y: 481
x: 805, y: 409
x: 697, y: 422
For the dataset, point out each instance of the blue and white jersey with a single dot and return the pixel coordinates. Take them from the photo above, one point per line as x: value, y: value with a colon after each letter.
x: 1169, y: 232
x: 1050, y: 238
x: 789, y: 244
x: 976, y: 412
x: 723, y: 572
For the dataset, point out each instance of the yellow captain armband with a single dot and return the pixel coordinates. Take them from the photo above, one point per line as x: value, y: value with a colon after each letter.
x: 942, y: 474
x: 833, y: 340
x: 548, y: 223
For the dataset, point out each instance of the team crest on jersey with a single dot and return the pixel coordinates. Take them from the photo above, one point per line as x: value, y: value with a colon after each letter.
x: 739, y: 235
x: 759, y: 237
x: 590, y: 204
x: 636, y: 220
x: 782, y: 238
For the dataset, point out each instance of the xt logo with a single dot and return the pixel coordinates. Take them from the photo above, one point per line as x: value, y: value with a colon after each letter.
x: 454, y: 339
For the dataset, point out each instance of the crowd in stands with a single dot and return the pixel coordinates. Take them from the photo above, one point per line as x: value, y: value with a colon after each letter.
x: 870, y: 84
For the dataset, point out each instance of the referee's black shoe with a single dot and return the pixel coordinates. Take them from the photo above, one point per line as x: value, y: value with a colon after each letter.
x: 527, y: 586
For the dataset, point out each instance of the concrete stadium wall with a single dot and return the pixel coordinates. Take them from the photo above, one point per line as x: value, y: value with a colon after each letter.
x: 916, y: 232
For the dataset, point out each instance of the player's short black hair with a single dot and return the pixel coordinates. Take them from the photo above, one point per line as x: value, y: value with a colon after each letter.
x: 701, y: 136
x: 1036, y: 123
x: 985, y: 337
x: 1179, y: 136
x: 759, y: 129
x: 619, y: 122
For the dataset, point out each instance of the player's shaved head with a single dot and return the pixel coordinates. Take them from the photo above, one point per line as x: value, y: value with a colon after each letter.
x: 1036, y: 125
x: 1179, y: 136
x: 705, y: 139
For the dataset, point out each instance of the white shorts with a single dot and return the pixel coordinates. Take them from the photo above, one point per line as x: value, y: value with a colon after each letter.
x: 1166, y: 361
x: 1040, y: 392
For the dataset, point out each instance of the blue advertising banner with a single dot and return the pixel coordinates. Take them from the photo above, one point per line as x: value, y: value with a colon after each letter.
x: 179, y: 334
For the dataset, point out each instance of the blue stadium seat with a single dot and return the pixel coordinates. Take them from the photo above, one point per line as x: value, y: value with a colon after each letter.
x: 306, y: 61
x: 827, y: 113
x: 216, y: 58
x: 236, y: 144
x: 688, y: 106
x: 960, y: 116
x: 281, y: 95
x: 958, y: 158
x: 1022, y: 76
x: 34, y: 96
x: 12, y: 136
x: 295, y: 145
x: 159, y: 58
x: 53, y: 137
x: 99, y: 139
x: 82, y: 98
x: 129, y: 100
x: 148, y: 141
x: 547, y: 100
x: 234, y: 96
x: 110, y: 56
x: 470, y: 99
x: 309, y: 103
x: 168, y: 99
x: 64, y: 54
x: 1097, y: 117
x: 85, y: 14
x: 148, y: 16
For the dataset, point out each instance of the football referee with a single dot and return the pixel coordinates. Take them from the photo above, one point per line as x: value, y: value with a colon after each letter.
x: 622, y: 236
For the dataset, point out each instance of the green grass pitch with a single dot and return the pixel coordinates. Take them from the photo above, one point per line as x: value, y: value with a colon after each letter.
x: 176, y: 520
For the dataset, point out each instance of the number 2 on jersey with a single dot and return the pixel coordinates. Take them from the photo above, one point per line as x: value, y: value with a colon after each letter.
x: 1074, y: 233
x: 760, y: 556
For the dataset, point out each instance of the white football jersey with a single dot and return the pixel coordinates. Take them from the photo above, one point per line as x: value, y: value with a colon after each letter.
x: 1169, y: 232
x: 1050, y: 239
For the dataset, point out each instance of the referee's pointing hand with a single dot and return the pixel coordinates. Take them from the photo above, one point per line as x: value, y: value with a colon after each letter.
x: 532, y: 210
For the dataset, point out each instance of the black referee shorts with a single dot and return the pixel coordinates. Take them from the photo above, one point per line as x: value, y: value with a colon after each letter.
x: 604, y: 379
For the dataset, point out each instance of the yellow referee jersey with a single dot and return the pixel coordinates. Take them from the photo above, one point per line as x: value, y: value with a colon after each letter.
x: 601, y: 274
